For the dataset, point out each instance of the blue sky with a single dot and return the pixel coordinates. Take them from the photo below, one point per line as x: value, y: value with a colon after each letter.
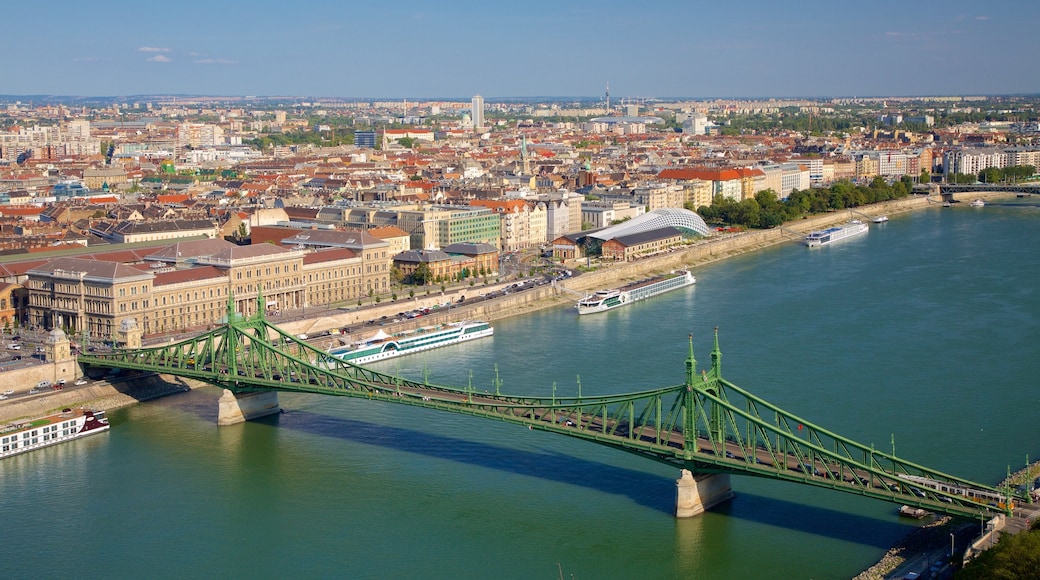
x: 415, y: 49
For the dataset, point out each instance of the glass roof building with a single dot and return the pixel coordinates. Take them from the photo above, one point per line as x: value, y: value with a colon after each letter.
x: 683, y: 219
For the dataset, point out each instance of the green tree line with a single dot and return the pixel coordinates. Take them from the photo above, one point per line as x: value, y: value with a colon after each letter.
x: 1014, y: 557
x: 765, y: 210
x: 1012, y: 174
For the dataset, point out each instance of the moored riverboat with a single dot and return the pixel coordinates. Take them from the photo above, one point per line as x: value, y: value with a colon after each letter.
x: 32, y: 434
x: 382, y: 346
x: 604, y: 300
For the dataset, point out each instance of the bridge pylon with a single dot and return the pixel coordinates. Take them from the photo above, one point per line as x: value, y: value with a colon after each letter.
x: 694, y: 494
x: 234, y: 408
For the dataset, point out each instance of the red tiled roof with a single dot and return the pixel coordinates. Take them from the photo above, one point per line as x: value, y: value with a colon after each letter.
x: 21, y: 211
x: 704, y: 174
x: 500, y: 206
x: 387, y: 232
x: 189, y: 275
x: 264, y: 234
x: 172, y: 197
x: 328, y: 256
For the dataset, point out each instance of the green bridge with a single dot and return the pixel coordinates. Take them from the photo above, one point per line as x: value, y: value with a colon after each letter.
x: 707, y: 427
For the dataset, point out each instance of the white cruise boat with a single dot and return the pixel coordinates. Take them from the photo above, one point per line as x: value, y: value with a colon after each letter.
x: 831, y: 235
x: 615, y: 298
x: 382, y: 346
x: 25, y: 436
x: 977, y: 203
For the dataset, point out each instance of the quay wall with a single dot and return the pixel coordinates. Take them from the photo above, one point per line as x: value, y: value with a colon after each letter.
x: 99, y: 395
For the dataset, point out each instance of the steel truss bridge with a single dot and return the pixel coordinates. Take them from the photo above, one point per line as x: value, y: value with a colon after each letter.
x: 946, y: 189
x: 705, y: 425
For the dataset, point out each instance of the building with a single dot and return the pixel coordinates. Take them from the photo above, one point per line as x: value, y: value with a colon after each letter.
x: 428, y: 227
x: 973, y: 161
x: 477, y: 112
x: 631, y: 246
x: 522, y: 224
x: 187, y: 285
x: 365, y: 139
x: 724, y: 182
x: 600, y: 214
x: 683, y: 220
x: 199, y: 135
x: 373, y: 253
x: 132, y: 231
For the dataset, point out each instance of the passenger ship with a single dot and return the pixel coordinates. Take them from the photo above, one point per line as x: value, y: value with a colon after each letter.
x: 829, y: 235
x: 383, y: 346
x: 36, y: 433
x: 617, y: 297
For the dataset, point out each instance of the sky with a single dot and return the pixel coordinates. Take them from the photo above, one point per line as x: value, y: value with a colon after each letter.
x: 458, y: 48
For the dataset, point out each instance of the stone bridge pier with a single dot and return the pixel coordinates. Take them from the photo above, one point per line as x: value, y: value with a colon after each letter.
x: 696, y: 493
x: 242, y: 407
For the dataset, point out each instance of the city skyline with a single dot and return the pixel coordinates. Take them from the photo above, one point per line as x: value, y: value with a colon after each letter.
x: 456, y: 50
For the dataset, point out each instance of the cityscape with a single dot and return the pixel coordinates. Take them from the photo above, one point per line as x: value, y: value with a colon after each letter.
x: 453, y: 185
x: 231, y: 239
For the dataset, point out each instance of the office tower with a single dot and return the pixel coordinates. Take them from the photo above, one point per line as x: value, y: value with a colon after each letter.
x: 478, y: 112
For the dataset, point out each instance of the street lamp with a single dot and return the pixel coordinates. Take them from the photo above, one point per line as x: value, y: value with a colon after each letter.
x: 951, y: 546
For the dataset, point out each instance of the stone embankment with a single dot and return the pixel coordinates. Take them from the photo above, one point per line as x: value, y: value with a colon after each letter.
x: 99, y: 395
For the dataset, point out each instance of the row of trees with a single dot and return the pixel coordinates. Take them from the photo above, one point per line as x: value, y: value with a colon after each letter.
x: 423, y: 275
x: 1012, y: 174
x: 765, y: 210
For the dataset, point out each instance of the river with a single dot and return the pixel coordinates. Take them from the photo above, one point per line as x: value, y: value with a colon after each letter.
x: 923, y: 331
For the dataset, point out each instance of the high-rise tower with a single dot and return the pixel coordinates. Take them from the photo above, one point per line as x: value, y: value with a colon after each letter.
x: 478, y: 112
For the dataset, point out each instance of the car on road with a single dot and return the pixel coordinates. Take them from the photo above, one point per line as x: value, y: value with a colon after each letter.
x: 9, y: 392
x: 14, y: 346
x: 3, y: 397
x: 80, y: 382
x: 33, y: 391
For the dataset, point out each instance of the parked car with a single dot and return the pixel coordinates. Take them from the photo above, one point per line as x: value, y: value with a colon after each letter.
x: 9, y: 392
x: 14, y: 346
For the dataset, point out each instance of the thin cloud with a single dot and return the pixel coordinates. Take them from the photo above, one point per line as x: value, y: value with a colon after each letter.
x: 982, y: 18
x: 214, y: 61
x: 152, y: 49
x: 159, y: 58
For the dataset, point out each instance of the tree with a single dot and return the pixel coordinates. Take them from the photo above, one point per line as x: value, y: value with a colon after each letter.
x: 1014, y: 556
x: 406, y: 142
x: 422, y: 274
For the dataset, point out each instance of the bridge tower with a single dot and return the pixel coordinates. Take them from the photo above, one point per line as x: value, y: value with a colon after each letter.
x: 697, y: 492
x: 234, y: 408
x: 128, y: 335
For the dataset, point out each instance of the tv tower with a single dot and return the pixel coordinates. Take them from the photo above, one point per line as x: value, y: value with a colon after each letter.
x: 608, y: 97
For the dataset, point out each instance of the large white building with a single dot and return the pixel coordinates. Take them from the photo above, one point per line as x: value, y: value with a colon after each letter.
x: 972, y: 161
x: 477, y: 112
x: 199, y: 135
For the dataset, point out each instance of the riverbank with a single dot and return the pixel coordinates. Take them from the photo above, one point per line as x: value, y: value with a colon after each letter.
x: 684, y: 538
